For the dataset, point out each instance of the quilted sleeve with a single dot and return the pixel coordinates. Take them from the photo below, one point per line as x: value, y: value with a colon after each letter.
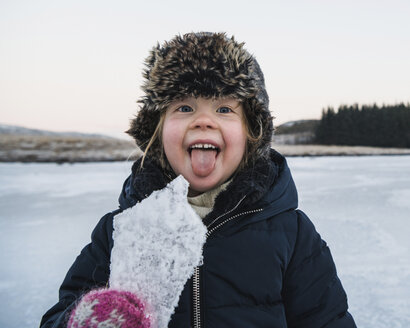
x: 90, y: 270
x: 312, y: 292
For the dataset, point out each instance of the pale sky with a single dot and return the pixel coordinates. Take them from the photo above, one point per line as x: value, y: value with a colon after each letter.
x: 77, y: 65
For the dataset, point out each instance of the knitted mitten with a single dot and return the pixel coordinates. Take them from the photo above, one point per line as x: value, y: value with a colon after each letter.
x: 109, y: 308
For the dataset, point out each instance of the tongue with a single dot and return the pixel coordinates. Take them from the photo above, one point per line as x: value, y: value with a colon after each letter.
x: 203, y: 161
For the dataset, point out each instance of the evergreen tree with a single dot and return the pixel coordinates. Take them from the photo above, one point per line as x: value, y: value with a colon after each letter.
x: 368, y: 125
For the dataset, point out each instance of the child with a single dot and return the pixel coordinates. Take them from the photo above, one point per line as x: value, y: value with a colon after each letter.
x: 259, y: 262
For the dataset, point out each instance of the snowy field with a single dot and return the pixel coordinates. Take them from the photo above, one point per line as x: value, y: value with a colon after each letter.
x: 360, y: 205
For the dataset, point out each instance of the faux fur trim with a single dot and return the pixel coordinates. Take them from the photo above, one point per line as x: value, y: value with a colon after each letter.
x: 247, y: 187
x: 142, y: 182
x: 252, y: 183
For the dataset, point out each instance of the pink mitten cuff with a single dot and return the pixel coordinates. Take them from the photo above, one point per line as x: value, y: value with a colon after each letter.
x: 109, y: 308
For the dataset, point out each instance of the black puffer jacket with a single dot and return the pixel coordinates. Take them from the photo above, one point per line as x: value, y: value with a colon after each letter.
x: 264, y: 263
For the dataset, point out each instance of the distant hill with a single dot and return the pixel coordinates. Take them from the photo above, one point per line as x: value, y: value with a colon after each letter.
x: 20, y: 144
x: 297, y: 126
x: 295, y: 132
x: 6, y: 129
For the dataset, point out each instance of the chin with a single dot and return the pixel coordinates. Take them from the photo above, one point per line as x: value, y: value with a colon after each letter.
x: 201, y: 187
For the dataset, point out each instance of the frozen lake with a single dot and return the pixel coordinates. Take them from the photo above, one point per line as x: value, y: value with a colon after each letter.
x: 360, y: 205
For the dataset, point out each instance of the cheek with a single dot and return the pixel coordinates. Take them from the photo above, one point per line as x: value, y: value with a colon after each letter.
x: 238, y: 137
x: 170, y: 133
x: 241, y: 148
x: 172, y: 141
x: 237, y: 143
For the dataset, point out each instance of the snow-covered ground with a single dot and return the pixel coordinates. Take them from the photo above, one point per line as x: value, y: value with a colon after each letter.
x: 360, y: 205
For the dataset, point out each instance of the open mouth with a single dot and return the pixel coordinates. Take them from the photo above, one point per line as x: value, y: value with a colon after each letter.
x: 203, y: 158
x: 203, y: 146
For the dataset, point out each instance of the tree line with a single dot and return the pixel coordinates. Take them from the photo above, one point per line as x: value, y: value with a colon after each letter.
x: 366, y: 125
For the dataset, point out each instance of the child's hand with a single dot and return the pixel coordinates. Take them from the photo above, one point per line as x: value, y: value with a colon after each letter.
x: 113, y: 308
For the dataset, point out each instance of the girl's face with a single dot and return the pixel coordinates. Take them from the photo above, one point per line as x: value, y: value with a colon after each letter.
x: 204, y: 140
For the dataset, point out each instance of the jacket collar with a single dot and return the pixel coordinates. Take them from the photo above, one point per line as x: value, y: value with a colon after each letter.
x: 268, y: 184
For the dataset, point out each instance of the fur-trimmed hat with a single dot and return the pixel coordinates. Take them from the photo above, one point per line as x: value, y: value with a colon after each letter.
x: 204, y: 64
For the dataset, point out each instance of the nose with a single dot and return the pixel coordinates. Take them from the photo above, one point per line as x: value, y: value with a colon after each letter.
x: 203, y: 120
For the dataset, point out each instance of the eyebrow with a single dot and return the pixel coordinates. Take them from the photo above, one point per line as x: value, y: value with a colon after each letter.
x: 238, y: 103
x: 180, y: 101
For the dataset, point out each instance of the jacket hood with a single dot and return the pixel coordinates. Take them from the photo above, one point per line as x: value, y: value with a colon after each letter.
x: 268, y: 185
x: 141, y: 183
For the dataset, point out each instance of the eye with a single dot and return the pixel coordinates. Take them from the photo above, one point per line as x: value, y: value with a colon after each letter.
x: 184, y: 109
x: 224, y: 110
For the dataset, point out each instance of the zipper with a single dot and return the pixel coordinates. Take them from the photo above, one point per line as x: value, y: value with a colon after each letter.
x: 197, y: 301
x: 196, y: 283
x: 226, y: 213
x: 231, y: 218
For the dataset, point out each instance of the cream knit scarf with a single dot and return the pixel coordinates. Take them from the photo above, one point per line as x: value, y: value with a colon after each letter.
x: 204, y: 203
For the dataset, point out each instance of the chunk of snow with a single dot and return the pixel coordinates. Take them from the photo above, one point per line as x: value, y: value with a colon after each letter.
x: 157, y: 245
